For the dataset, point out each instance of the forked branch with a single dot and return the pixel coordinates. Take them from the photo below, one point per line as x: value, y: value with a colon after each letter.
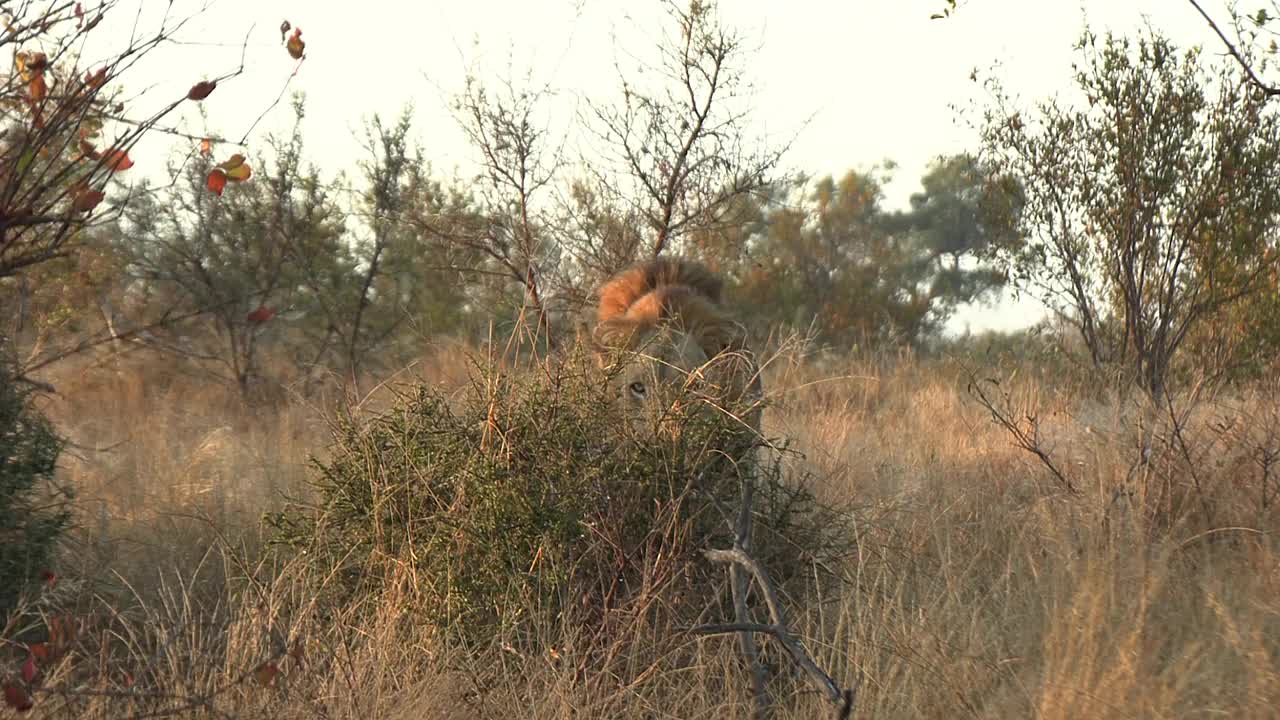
x: 777, y: 628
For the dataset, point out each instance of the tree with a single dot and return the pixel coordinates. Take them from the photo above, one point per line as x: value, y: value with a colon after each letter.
x: 423, y: 285
x: 862, y: 275
x: 239, y: 258
x: 1248, y: 48
x: 507, y: 236
x: 55, y: 114
x: 1147, y: 210
x: 682, y: 143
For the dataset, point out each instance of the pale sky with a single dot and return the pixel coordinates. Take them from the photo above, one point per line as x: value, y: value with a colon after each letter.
x: 875, y: 78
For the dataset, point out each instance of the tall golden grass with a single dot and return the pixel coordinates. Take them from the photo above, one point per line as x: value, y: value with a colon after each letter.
x: 978, y: 586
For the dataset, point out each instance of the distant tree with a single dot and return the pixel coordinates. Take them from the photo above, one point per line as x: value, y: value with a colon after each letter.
x: 426, y: 284
x: 261, y: 249
x: 1147, y: 211
x: 954, y: 223
x: 860, y: 275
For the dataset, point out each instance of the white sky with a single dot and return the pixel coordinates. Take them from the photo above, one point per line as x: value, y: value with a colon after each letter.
x: 876, y: 78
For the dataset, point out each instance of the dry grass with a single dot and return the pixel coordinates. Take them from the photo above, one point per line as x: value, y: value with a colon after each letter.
x: 979, y: 588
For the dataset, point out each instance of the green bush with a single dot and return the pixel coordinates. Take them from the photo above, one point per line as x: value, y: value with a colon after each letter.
x: 33, y: 511
x: 529, y: 496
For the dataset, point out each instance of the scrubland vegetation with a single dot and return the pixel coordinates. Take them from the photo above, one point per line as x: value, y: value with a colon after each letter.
x: 969, y: 583
x: 275, y: 443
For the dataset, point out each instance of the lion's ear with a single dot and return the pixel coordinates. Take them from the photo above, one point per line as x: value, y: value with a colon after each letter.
x: 614, y: 333
x: 608, y: 337
x: 721, y: 335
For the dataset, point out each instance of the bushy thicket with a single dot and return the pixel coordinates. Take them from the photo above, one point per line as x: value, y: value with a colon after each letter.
x: 33, y: 511
x: 530, y: 495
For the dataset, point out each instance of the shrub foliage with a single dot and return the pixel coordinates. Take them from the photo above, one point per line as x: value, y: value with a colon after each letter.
x: 532, y: 491
x: 34, y: 512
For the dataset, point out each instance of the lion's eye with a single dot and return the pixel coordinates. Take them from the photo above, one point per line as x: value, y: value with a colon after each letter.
x: 637, y: 389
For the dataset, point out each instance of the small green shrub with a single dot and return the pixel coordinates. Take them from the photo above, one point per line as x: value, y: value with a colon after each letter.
x: 531, y: 496
x: 33, y: 511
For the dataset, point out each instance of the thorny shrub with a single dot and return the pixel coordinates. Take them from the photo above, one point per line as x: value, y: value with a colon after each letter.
x: 530, y: 496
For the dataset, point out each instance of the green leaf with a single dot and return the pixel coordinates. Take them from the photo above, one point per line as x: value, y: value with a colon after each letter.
x: 24, y: 162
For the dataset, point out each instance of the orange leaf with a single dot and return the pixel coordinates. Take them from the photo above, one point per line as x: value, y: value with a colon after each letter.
x: 232, y: 162
x: 117, y: 160
x: 16, y: 697
x: 260, y: 315
x: 63, y: 629
x: 206, y: 146
x: 239, y: 173
x: 201, y: 90
x: 96, y: 78
x: 30, y: 64
x: 84, y: 201
x: 29, y: 669
x: 265, y: 673
x: 217, y: 180
x: 235, y: 168
x: 295, y: 46
x: 55, y: 627
x: 38, y: 88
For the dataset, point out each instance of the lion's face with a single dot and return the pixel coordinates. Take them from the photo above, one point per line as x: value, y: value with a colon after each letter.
x: 658, y: 376
x: 663, y: 372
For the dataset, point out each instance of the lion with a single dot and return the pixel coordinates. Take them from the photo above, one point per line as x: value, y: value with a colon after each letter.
x: 663, y: 332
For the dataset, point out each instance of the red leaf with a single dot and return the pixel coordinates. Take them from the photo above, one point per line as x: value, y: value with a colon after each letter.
x: 261, y: 314
x: 79, y: 15
x: 29, y: 669
x: 284, y: 28
x: 117, y: 160
x: 49, y: 578
x: 201, y: 90
x: 217, y: 180
x: 127, y: 678
x: 206, y: 146
x: 16, y: 697
x: 265, y: 673
x: 87, y: 200
x: 39, y: 651
x: 295, y: 46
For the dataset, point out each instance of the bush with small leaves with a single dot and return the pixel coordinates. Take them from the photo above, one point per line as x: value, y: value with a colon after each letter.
x: 530, y: 496
x: 34, y: 512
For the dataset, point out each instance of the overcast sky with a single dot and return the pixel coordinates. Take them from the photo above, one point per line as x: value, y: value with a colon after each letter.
x: 874, y: 79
